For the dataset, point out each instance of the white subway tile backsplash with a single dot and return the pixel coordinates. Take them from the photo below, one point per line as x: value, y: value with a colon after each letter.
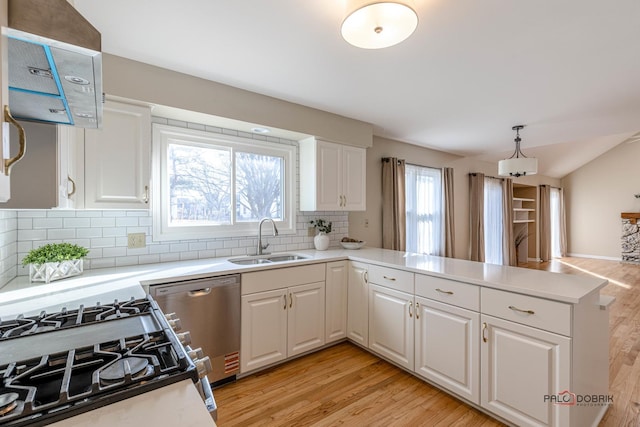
x: 128, y: 221
x: 114, y: 252
x: 32, y: 234
x: 76, y: 222
x: 61, y: 233
x: 113, y: 213
x: 173, y: 256
x: 47, y: 223
x: 114, y: 232
x: 103, y: 242
x: 25, y: 223
x: 103, y: 222
x: 32, y: 214
x: 60, y: 213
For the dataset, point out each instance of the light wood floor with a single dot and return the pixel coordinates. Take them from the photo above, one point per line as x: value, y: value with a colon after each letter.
x: 345, y: 385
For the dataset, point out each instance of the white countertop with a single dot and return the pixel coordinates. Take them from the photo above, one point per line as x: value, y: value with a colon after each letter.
x: 20, y: 296
x: 177, y: 404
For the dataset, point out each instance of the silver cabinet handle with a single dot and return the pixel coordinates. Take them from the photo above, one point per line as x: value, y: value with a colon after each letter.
x: 146, y: 194
x: 444, y: 292
x: 519, y: 310
x: 366, y: 277
x: 417, y: 310
x: 393, y: 279
x: 410, y: 305
x: 285, y: 301
x: 73, y: 187
x: 290, y: 300
x: 484, y: 329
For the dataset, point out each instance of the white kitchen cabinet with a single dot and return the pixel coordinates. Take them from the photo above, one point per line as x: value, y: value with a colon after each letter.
x: 117, y: 158
x: 263, y: 329
x: 520, y: 366
x: 357, y: 304
x: 337, y: 278
x: 332, y: 176
x: 447, y: 347
x: 69, y: 184
x: 283, y: 314
x: 305, y: 318
x: 391, y: 324
x: 281, y: 323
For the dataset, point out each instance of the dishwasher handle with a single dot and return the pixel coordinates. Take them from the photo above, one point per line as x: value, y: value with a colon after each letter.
x: 200, y: 292
x: 194, y: 288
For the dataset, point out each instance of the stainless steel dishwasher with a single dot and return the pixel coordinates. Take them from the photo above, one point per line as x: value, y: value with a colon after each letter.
x: 209, y: 309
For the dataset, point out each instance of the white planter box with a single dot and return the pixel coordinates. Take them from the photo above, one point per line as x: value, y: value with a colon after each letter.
x: 51, y: 271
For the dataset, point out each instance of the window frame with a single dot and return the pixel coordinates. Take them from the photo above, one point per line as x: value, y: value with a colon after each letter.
x: 163, y: 135
x: 439, y: 210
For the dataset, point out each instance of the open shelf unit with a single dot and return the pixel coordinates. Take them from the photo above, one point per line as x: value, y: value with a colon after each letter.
x: 525, y: 205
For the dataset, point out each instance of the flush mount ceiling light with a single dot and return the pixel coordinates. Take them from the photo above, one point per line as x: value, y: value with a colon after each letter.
x: 518, y: 164
x: 378, y: 24
x: 260, y: 130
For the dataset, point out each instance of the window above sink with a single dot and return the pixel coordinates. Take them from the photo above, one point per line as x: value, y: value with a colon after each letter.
x: 218, y: 185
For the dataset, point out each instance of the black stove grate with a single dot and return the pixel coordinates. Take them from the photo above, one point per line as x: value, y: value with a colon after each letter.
x: 22, y: 326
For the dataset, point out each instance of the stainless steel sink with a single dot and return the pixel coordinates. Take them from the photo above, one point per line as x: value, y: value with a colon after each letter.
x: 250, y: 261
x: 266, y: 259
x: 285, y: 257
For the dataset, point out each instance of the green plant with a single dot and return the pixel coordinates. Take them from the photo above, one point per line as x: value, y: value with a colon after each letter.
x: 321, y: 225
x: 520, y: 236
x: 54, y: 252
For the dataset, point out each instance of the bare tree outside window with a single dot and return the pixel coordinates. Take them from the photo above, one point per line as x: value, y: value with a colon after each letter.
x: 259, y: 187
x: 199, y: 185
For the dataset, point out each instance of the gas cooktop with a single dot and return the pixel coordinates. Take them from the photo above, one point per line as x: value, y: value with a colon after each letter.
x: 57, y: 365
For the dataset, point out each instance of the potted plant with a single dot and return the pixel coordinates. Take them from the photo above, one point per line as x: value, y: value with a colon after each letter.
x: 55, y: 261
x: 321, y: 241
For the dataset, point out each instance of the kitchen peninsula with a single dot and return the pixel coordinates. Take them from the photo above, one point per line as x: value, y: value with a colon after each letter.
x: 496, y: 327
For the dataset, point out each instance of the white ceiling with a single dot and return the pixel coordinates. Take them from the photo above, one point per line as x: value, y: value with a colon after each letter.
x: 568, y: 69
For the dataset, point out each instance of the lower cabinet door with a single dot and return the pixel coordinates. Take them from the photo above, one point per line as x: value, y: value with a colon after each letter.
x: 336, y: 301
x: 447, y: 346
x: 391, y: 325
x: 358, y: 304
x: 305, y: 324
x: 521, y: 368
x: 263, y: 330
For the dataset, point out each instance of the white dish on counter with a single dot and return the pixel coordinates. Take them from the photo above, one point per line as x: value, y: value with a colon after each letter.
x: 353, y: 245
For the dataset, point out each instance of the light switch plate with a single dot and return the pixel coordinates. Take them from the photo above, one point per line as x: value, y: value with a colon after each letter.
x: 136, y: 240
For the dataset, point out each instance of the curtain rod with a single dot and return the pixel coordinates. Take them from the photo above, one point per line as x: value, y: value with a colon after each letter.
x: 486, y: 176
x: 386, y: 159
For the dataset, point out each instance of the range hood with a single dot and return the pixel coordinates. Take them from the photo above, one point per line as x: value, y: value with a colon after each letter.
x: 55, y: 64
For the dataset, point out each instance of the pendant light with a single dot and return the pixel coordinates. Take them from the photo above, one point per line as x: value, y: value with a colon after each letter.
x: 374, y: 24
x: 518, y: 164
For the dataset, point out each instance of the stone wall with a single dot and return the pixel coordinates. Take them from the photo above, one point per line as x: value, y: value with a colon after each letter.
x: 630, y: 240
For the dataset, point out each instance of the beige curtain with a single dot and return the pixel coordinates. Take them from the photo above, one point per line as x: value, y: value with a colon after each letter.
x: 476, y: 217
x: 394, y: 210
x: 508, y: 239
x: 545, y: 222
x: 449, y: 226
x: 563, y: 226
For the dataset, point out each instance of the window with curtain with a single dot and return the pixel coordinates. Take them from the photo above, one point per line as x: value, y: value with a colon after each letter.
x: 425, y: 233
x: 493, y: 212
x: 554, y: 205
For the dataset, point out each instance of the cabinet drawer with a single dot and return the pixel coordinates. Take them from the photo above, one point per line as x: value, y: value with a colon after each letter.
x: 267, y: 280
x: 537, y: 312
x: 448, y: 291
x: 391, y: 278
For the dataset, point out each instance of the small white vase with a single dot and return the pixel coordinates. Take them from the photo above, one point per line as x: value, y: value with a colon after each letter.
x: 321, y: 241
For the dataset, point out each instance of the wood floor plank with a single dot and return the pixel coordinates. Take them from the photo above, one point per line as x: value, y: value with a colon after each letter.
x: 347, y: 386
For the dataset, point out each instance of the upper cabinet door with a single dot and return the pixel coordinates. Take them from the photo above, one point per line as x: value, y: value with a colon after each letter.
x: 5, y: 188
x: 117, y: 159
x: 354, y: 171
x: 332, y: 176
x: 329, y: 181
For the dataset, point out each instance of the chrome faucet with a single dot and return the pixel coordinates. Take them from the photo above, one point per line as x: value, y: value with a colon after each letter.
x: 275, y: 233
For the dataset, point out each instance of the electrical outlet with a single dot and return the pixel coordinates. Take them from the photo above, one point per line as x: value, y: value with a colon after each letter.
x: 366, y: 223
x: 136, y: 240
x: 311, y: 231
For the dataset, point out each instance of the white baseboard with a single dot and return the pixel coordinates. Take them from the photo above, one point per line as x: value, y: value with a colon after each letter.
x: 610, y: 258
